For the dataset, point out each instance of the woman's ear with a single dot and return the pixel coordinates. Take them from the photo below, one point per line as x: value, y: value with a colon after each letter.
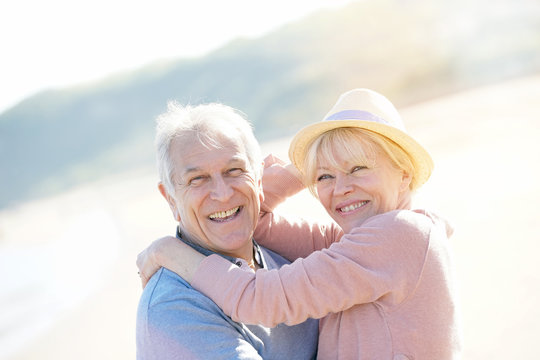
x: 170, y: 200
x: 406, y: 180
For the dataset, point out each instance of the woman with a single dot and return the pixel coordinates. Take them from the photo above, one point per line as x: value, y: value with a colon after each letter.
x: 384, y: 289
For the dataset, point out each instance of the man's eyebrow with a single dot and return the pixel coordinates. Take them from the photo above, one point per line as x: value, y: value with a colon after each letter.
x: 233, y: 160
x: 237, y: 159
x: 189, y: 170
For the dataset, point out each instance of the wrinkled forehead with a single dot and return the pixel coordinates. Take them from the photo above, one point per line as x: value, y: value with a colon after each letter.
x: 191, y: 152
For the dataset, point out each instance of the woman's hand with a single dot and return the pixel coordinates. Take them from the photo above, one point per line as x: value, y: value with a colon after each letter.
x: 274, y: 167
x: 147, y: 260
x: 280, y: 181
x: 171, y: 253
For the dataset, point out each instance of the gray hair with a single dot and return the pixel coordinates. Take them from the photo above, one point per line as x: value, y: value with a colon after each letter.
x: 208, y: 122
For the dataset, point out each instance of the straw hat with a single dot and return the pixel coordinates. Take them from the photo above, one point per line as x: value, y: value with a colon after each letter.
x: 364, y: 109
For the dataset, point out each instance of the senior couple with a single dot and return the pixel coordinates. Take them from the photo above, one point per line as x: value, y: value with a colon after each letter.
x: 239, y: 281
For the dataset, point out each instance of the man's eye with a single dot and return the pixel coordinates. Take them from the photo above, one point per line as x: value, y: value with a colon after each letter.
x: 235, y: 171
x: 197, y: 180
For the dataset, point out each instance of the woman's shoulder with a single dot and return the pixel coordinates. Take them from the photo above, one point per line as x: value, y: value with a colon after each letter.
x: 414, y: 222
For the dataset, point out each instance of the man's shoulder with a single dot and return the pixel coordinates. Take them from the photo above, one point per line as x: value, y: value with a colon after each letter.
x: 168, y: 300
x: 273, y: 259
x: 166, y: 286
x: 174, y: 320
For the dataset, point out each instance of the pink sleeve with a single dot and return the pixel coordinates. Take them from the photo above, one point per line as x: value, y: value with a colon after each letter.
x: 278, y: 185
x: 291, y: 238
x: 294, y: 238
x: 379, y: 261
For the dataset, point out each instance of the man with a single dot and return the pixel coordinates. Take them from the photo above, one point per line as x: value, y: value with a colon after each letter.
x: 210, y: 171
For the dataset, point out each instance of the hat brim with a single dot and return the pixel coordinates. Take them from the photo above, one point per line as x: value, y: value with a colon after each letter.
x: 421, y: 159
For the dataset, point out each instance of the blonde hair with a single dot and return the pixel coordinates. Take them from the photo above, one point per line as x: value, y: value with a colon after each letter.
x: 357, y: 144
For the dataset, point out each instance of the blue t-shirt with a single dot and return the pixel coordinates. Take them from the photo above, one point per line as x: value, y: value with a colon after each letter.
x: 175, y: 321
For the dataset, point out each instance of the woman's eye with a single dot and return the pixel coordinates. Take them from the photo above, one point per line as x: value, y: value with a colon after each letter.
x: 358, y: 168
x: 324, y: 177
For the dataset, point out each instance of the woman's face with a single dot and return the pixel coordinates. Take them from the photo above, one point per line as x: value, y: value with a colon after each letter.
x: 353, y: 192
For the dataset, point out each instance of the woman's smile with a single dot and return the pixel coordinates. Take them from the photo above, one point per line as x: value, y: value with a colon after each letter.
x: 348, y: 209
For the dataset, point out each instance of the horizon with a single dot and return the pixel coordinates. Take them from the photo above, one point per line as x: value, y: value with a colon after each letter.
x: 73, y: 57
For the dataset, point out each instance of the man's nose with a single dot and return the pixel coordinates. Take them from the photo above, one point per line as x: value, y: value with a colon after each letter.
x: 222, y: 190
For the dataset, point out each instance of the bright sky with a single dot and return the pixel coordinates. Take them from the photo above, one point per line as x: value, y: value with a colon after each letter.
x: 57, y: 43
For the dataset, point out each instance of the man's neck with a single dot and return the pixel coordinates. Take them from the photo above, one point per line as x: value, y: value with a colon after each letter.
x: 247, y: 254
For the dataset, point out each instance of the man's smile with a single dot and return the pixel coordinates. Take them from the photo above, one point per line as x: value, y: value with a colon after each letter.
x: 222, y: 216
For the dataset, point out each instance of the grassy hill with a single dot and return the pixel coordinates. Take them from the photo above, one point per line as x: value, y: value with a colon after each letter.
x: 408, y: 50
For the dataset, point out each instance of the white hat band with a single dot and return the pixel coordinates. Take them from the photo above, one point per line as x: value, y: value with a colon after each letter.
x: 356, y: 115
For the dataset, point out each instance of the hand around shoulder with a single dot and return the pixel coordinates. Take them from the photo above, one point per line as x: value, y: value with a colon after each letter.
x: 174, y: 321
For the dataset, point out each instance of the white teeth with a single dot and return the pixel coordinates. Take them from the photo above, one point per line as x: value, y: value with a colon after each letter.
x: 224, y: 214
x: 352, y: 207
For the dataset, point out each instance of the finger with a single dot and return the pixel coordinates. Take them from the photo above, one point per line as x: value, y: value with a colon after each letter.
x: 143, y: 283
x: 140, y: 260
x: 268, y: 161
x: 271, y: 159
x: 144, y: 279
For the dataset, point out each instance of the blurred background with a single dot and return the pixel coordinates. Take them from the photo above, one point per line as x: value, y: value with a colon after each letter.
x: 81, y: 85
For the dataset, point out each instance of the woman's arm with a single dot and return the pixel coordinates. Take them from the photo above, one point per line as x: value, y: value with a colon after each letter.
x: 294, y: 237
x: 280, y: 181
x: 273, y: 231
x: 289, y: 237
x: 170, y: 253
x: 380, y: 261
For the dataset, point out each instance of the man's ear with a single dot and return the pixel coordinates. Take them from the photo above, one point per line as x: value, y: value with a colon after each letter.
x: 260, y: 184
x: 170, y: 201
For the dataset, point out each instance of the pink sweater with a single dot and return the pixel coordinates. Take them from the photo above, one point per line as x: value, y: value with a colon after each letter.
x: 382, y: 291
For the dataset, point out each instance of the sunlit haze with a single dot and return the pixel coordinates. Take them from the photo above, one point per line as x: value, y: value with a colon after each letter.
x: 59, y: 43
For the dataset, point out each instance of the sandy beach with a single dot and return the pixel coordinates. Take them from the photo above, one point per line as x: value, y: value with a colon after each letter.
x: 486, y: 181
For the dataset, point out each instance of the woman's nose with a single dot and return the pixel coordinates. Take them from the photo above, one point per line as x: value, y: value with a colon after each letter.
x: 342, y: 184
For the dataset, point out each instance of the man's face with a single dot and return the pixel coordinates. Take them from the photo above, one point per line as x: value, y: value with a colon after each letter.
x: 217, y: 197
